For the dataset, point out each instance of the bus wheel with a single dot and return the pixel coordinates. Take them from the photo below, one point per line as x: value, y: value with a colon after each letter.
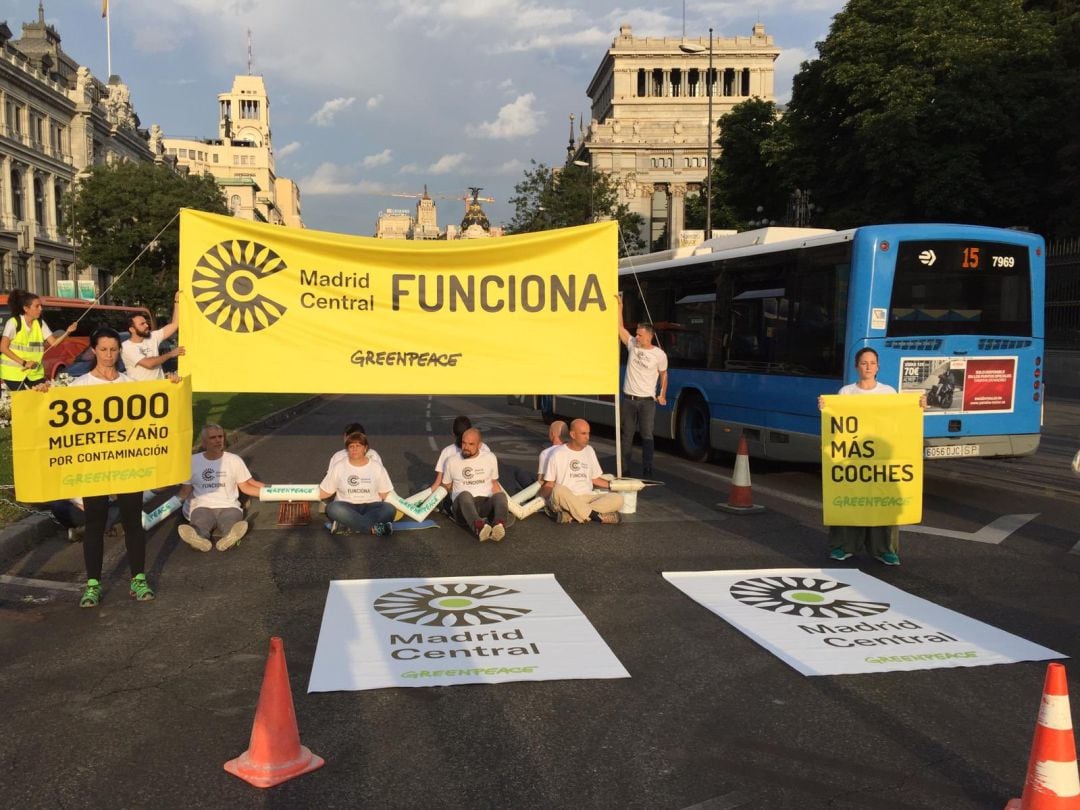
x: 692, y: 428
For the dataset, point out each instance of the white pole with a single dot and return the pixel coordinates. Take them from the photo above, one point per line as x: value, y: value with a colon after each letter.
x: 108, y: 40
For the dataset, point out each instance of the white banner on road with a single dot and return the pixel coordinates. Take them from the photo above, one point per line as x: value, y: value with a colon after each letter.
x: 452, y: 630
x: 842, y: 622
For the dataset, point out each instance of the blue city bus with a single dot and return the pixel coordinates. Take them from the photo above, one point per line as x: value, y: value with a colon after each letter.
x: 757, y: 324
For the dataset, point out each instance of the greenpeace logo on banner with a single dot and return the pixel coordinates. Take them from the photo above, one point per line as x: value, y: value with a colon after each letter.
x: 462, y: 604
x: 803, y: 597
x: 225, y: 283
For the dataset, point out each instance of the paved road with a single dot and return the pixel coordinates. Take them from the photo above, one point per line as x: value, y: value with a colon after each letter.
x: 139, y: 705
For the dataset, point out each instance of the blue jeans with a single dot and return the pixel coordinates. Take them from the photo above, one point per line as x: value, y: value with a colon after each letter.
x: 360, y: 517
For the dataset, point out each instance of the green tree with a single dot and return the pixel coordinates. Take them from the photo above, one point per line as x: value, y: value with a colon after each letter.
x: 748, y: 174
x: 550, y: 197
x: 119, y: 210
x: 930, y: 109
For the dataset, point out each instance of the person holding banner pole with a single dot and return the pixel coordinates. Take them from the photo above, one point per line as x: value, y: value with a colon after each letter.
x: 646, y: 364
x: 105, y: 344
x: 26, y: 337
x: 883, y: 542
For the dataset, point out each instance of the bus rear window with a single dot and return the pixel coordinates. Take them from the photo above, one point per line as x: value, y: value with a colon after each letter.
x: 960, y: 287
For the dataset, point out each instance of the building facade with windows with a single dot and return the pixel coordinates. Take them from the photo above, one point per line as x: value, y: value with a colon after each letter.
x: 241, y: 157
x: 649, y: 115
x: 56, y: 120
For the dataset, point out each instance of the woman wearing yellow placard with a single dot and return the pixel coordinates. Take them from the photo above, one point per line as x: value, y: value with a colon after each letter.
x: 105, y: 344
x: 883, y: 542
x: 25, y: 339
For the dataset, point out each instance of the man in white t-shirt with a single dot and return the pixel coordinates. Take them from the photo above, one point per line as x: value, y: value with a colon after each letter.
x: 141, y: 351
x: 557, y: 435
x: 645, y: 364
x: 359, y: 487
x: 217, y: 479
x: 571, y: 479
x: 472, y: 479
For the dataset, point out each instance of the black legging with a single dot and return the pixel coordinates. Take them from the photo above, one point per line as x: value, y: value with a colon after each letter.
x: 97, y: 511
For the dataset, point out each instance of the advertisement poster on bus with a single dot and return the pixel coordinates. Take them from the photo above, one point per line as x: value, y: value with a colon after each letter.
x: 958, y: 385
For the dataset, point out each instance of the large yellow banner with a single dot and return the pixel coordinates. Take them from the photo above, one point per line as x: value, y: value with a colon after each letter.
x: 266, y: 308
x: 872, y: 460
x: 100, y: 439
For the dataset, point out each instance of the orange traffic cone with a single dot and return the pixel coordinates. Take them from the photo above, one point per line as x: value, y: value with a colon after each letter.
x: 1053, y: 782
x: 741, y: 500
x: 274, y: 754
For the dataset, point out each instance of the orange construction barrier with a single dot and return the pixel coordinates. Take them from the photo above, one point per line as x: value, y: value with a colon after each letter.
x: 741, y: 500
x: 1053, y: 782
x: 274, y: 754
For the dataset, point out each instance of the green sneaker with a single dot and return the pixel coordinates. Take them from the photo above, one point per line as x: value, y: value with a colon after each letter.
x: 839, y: 555
x: 140, y: 589
x: 92, y: 595
x: 889, y: 558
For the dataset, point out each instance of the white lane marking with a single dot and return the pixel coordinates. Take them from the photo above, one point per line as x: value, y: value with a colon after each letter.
x: 43, y: 584
x: 1075, y: 549
x: 432, y: 444
x: 992, y: 533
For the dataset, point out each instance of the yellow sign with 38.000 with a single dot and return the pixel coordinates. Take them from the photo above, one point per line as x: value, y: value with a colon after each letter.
x: 100, y: 439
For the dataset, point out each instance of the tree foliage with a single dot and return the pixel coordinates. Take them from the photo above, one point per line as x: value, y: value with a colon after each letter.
x: 119, y: 210
x: 930, y: 110
x: 747, y: 175
x: 550, y: 197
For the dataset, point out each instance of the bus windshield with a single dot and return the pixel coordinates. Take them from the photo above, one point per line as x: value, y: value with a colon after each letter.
x: 960, y: 287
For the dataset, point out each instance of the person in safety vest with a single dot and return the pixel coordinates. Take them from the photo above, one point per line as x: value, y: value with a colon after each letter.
x: 25, y: 339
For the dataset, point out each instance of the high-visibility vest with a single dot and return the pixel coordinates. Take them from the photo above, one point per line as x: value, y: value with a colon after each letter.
x: 29, y: 345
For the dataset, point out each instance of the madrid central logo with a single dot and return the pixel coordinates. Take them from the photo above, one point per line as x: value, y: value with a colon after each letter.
x: 458, y: 604
x: 805, y: 597
x: 226, y: 282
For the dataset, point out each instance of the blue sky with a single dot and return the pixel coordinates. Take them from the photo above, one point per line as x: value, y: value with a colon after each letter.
x: 373, y: 96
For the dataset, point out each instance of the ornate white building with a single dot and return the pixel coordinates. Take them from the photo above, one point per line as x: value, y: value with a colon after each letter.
x: 56, y: 120
x: 649, y: 110
x: 241, y: 158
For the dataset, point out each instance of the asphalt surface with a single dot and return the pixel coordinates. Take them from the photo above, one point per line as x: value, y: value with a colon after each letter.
x: 139, y: 705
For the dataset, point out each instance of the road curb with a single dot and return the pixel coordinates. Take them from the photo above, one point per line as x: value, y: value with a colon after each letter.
x: 24, y: 534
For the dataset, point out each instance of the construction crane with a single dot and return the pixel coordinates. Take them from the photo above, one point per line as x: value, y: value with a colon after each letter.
x: 473, y: 196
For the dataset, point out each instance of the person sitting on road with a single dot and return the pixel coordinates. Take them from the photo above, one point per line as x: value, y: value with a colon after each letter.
x: 141, y: 352
x: 69, y: 514
x: 217, y: 478
x: 461, y: 424
x: 359, y: 487
x: 571, y: 477
x: 472, y: 479
x: 557, y: 435
x: 343, y: 453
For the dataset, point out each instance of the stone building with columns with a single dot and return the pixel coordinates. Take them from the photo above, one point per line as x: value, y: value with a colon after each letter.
x: 649, y: 115
x: 241, y: 157
x: 56, y: 120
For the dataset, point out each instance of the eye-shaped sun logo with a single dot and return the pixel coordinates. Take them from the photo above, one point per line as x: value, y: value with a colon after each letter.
x: 803, y: 596
x: 208, y: 474
x: 459, y: 604
x: 225, y: 285
x: 353, y: 480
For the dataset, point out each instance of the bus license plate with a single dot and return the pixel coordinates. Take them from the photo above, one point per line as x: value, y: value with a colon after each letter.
x: 952, y: 451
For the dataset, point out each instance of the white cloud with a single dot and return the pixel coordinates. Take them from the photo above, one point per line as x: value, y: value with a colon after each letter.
x: 374, y: 101
x: 448, y: 163
x: 410, y: 168
x: 512, y: 166
x: 589, y: 38
x: 515, y: 120
x: 325, y: 116
x: 787, y: 65
x: 287, y: 150
x: 332, y: 179
x: 380, y: 159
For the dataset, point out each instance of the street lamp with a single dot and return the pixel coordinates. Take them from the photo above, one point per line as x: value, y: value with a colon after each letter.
x: 687, y: 47
x: 587, y: 164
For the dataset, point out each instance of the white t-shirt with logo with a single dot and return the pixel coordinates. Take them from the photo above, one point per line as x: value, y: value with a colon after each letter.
x: 574, y: 469
x: 452, y: 450
x: 214, y: 483
x: 474, y: 475
x: 357, y: 484
x: 131, y: 353
x: 643, y: 367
